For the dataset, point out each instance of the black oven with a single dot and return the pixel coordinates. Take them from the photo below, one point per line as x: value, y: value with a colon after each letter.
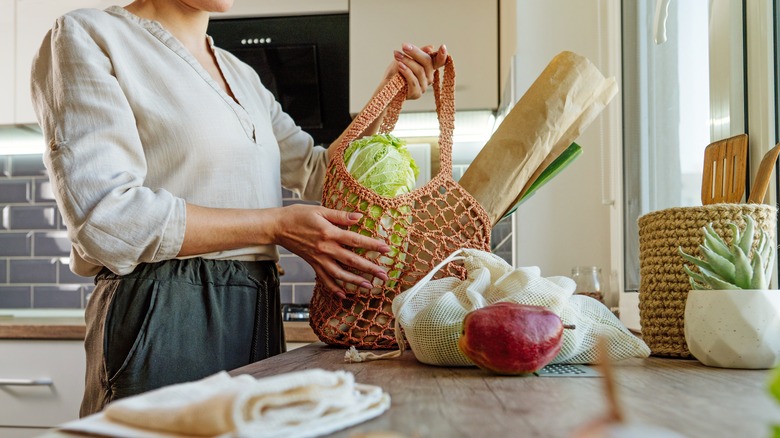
x: 303, y: 60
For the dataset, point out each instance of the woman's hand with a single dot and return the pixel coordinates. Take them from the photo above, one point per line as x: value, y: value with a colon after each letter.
x: 313, y: 233
x: 417, y: 65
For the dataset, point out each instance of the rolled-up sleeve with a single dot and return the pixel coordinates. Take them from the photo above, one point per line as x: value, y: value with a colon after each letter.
x: 95, y: 158
x: 303, y: 165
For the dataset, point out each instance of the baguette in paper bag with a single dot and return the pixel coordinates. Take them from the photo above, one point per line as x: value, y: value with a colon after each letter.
x: 555, y: 110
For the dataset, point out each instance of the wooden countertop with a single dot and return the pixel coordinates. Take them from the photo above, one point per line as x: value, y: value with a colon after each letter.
x: 58, y: 328
x: 428, y: 401
x: 73, y: 328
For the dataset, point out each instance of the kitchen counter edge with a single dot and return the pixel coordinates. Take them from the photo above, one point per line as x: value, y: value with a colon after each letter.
x: 74, y: 328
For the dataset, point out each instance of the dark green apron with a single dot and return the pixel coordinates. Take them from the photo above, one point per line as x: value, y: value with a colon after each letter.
x: 178, y: 321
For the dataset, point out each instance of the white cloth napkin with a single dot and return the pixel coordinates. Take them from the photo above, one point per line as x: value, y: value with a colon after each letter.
x: 299, y: 404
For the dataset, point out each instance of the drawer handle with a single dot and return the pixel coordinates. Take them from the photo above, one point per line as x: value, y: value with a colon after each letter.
x: 44, y: 381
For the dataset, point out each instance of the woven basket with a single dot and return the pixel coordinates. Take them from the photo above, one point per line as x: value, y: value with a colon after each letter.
x: 664, y: 286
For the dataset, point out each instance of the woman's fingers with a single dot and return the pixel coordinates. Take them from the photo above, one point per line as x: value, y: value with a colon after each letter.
x: 327, y: 247
x: 440, y: 57
x: 329, y: 283
x: 334, y: 275
x: 420, y: 63
x: 415, y: 88
x: 417, y: 65
x: 349, y: 258
x: 341, y: 253
x: 349, y: 238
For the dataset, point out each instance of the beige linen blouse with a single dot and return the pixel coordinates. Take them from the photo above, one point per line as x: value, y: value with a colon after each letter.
x: 136, y: 127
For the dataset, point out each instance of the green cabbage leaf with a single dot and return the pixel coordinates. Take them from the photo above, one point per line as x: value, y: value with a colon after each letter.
x: 382, y: 163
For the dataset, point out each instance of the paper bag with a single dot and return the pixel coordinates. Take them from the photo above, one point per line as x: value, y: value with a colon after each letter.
x: 555, y: 110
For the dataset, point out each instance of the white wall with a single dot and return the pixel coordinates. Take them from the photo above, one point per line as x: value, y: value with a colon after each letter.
x: 576, y: 218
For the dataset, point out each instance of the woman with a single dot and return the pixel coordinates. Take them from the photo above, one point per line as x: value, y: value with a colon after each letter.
x: 167, y: 155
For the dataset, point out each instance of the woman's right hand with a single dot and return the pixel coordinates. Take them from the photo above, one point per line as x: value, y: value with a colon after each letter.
x: 314, y: 233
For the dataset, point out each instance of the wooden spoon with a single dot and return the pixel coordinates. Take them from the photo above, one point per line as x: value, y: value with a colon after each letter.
x: 725, y: 165
x: 764, y: 174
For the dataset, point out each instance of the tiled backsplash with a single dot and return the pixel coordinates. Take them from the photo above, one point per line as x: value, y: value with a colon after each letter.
x: 34, y: 246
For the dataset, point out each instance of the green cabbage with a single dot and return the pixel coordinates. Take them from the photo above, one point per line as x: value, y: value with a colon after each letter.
x: 382, y: 163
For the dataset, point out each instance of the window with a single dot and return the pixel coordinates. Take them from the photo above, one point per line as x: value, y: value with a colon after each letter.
x: 679, y: 95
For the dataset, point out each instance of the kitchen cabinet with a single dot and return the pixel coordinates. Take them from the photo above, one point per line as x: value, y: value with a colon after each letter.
x: 267, y: 8
x: 33, y: 19
x: 469, y: 29
x: 34, y: 407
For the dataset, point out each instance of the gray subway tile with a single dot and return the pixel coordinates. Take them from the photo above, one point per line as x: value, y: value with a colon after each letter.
x: 296, y: 270
x: 15, y: 244
x: 30, y: 217
x: 3, y: 271
x: 65, y: 275
x: 15, y: 191
x: 51, y: 243
x: 43, y: 190
x: 27, y: 165
x: 57, y: 297
x: 32, y: 271
x: 286, y: 293
x: 302, y: 293
x: 15, y: 297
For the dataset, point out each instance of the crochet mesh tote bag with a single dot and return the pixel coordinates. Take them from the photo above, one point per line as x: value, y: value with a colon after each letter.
x: 421, y: 227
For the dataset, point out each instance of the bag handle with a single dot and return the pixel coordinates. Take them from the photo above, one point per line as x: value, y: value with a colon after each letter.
x: 392, y: 97
x: 408, y: 294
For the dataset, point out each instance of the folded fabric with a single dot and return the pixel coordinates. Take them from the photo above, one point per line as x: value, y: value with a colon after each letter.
x: 298, y: 404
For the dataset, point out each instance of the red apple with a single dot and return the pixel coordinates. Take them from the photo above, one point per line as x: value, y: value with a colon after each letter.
x: 511, y: 338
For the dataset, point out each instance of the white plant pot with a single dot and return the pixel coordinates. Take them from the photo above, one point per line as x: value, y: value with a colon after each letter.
x: 734, y: 328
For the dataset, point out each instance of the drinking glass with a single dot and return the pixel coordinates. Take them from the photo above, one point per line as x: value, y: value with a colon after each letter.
x: 588, y: 280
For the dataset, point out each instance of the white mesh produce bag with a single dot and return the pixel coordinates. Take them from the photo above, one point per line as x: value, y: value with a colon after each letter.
x: 431, y: 312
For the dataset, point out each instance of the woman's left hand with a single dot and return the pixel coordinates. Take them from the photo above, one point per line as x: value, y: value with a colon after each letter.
x: 417, y: 65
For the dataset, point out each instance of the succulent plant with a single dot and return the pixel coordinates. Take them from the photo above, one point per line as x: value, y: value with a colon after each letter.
x: 733, y: 265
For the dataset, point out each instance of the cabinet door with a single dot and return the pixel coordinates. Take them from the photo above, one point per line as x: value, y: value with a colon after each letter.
x: 254, y: 8
x: 469, y: 29
x: 34, y: 18
x: 7, y: 61
x: 63, y: 362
